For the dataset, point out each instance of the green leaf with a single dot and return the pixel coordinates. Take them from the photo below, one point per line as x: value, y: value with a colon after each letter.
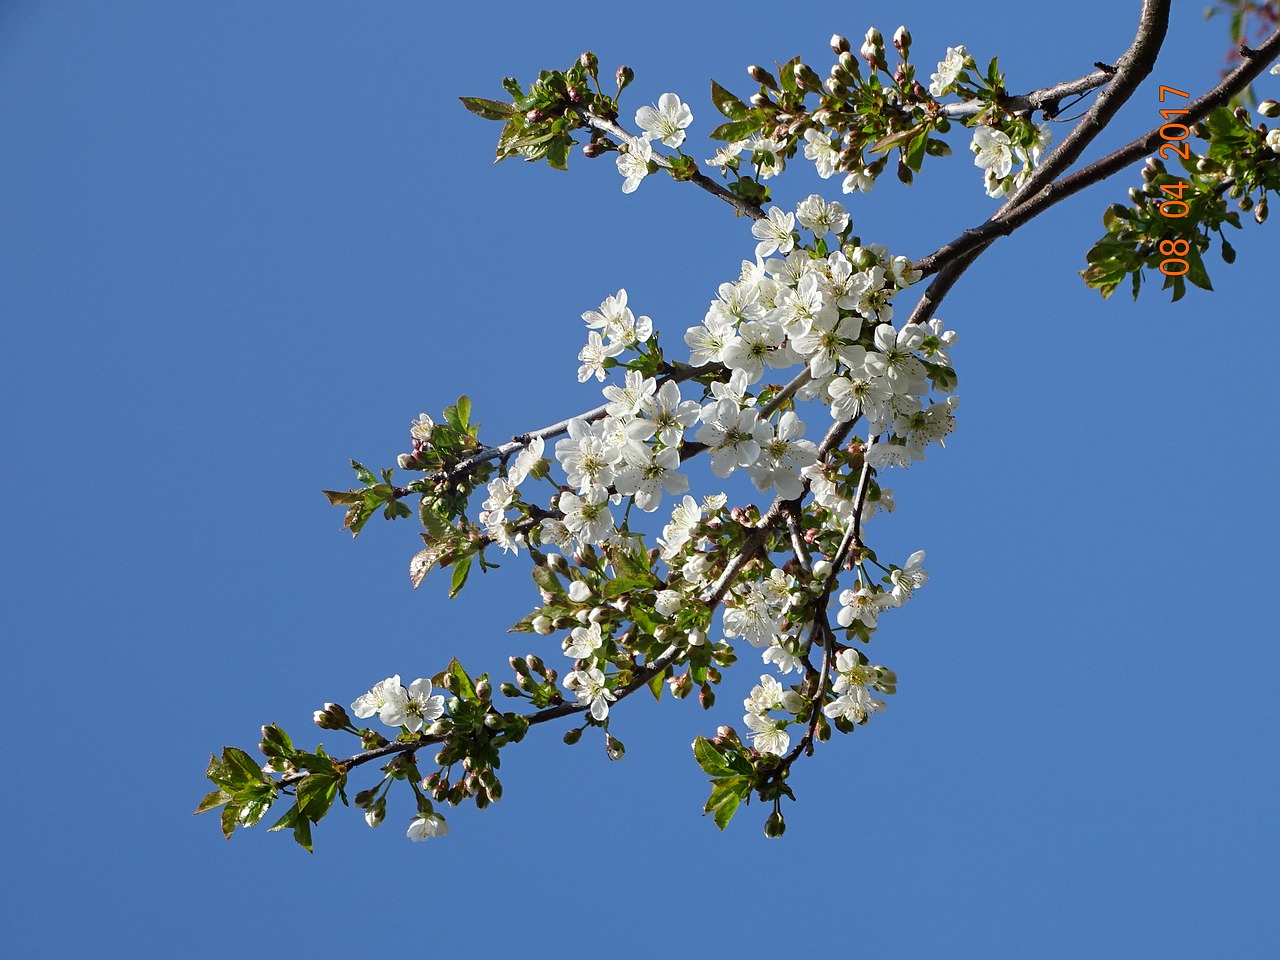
x: 735, y: 130
x: 466, y: 690
x: 655, y: 685
x: 302, y: 833
x: 212, y: 801
x: 726, y: 795
x: 275, y: 742
x: 1196, y: 271
x: 458, y: 416
x: 727, y: 103
x: 710, y: 759
x: 230, y: 819
x: 460, y: 572
x: 558, y: 153
x: 898, y: 139
x: 316, y: 794
x: 344, y: 497
x: 787, y: 76
x: 489, y: 109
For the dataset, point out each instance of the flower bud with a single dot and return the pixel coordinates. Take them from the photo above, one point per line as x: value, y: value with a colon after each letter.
x: 518, y: 665
x: 762, y: 76
x: 484, y: 689
x: 760, y: 100
x: 573, y: 736
x: 839, y: 44
x: 509, y: 690
x: 902, y: 41
x: 534, y: 663
x: 365, y: 797
x: 1245, y: 203
x: 405, y: 461
x: 493, y: 721
x: 1260, y: 211
x: 594, y: 148
x: 557, y: 563
x: 332, y: 717
x: 376, y: 813
x: 590, y: 62
x: 822, y: 569
x: 613, y: 747
x: 1269, y: 108
x: 775, y: 826
x: 624, y: 76
x: 598, y: 614
x: 706, y: 697
x: 697, y: 637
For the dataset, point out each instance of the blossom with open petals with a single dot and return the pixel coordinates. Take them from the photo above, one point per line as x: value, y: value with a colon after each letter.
x: 424, y: 828
x: 666, y: 120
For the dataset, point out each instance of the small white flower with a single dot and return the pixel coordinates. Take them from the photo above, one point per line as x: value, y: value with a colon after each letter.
x: 583, y: 642
x: 1273, y: 137
x: 992, y: 151
x: 424, y: 828
x: 665, y: 121
x: 422, y: 428
x: 412, y: 708
x: 822, y: 152
x: 727, y: 154
x: 634, y: 164
x: 821, y: 217
x: 774, y: 232
x: 948, y: 71
x: 906, y: 580
x: 667, y: 602
x: 768, y: 736
x: 593, y: 356
x: 589, y: 687
x: 370, y: 703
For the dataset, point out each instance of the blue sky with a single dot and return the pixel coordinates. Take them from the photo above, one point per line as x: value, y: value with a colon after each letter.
x: 242, y: 243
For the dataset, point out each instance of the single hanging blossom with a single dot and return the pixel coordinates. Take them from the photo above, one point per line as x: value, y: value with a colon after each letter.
x: 424, y: 828
x: 665, y: 121
x: 634, y: 164
x: 906, y: 580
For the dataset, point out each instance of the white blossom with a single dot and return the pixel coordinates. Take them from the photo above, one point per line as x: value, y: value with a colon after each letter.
x: 593, y: 356
x: 582, y: 642
x: 412, y: 708
x: 819, y: 148
x: 774, y: 232
x: 587, y: 518
x: 634, y: 164
x: 666, y: 120
x: 735, y: 436
x: 589, y: 687
x: 820, y: 217
x: 949, y: 70
x: 426, y: 827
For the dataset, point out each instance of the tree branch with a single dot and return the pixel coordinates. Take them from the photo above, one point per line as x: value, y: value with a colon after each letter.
x: 965, y: 248
x: 1131, y: 69
x: 743, y: 207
